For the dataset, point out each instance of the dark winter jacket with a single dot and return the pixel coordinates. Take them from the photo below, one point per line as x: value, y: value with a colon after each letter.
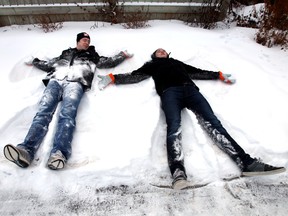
x: 76, y: 65
x: 166, y: 72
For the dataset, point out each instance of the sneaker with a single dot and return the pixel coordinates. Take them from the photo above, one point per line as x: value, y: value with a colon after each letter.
x: 258, y: 168
x: 17, y: 155
x: 179, y: 180
x: 56, y: 161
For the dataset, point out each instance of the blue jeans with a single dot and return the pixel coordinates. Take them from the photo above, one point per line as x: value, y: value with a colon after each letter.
x: 174, y: 99
x: 70, y: 93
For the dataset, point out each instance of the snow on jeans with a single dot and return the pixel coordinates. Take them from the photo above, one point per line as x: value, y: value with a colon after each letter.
x: 173, y: 100
x: 71, y: 94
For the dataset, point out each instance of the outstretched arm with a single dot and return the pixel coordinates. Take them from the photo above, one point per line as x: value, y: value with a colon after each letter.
x: 45, y: 65
x: 110, y: 62
x: 127, y: 78
x: 196, y: 73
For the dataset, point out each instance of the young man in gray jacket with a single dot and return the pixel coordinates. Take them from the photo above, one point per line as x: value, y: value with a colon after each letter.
x: 68, y: 77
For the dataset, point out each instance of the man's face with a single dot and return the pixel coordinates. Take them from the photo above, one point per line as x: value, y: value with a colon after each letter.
x: 161, y: 53
x: 83, y: 44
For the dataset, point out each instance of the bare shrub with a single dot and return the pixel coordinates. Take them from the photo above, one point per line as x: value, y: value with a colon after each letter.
x: 45, y: 23
x: 252, y: 20
x: 136, y: 20
x: 209, y: 14
x: 247, y: 2
x: 112, y: 11
x: 274, y: 24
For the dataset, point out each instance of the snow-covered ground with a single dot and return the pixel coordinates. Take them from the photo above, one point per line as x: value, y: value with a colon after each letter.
x: 119, y: 143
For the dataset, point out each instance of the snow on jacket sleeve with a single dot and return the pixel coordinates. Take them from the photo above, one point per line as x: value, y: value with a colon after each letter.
x: 46, y: 66
x: 110, y: 62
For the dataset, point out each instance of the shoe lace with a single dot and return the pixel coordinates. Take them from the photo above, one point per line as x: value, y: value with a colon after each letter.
x: 259, y: 160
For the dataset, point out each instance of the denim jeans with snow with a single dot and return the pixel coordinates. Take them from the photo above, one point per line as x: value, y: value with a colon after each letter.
x: 173, y: 100
x: 71, y: 94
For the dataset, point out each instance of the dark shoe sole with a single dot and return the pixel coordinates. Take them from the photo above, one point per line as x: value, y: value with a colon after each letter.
x: 12, y: 154
x: 261, y: 173
x: 56, y: 165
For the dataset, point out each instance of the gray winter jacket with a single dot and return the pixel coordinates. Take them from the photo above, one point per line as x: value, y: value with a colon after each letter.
x: 77, y: 65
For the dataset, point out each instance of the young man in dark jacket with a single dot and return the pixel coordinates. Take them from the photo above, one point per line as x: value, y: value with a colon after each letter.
x: 173, y: 83
x: 68, y: 77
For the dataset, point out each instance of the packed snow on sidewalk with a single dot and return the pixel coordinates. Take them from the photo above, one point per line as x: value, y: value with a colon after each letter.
x: 119, y: 144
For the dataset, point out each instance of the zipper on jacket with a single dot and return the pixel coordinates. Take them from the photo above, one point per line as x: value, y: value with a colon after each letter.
x: 72, y: 59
